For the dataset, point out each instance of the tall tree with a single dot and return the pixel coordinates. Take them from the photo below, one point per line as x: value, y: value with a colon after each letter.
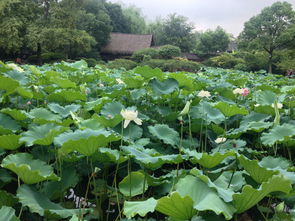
x: 271, y: 30
x: 175, y: 30
x: 212, y: 41
x: 15, y: 16
x: 118, y: 20
x: 135, y: 19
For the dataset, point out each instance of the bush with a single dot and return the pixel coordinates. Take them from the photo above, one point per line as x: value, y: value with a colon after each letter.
x: 173, y: 65
x: 48, y: 57
x: 121, y: 63
x: 91, y: 62
x: 139, y: 56
x: 225, y: 60
x: 169, y: 51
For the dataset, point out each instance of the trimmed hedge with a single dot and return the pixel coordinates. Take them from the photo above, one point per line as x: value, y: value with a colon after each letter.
x: 173, y: 65
x: 121, y: 63
x: 145, y: 54
x: 48, y: 57
x: 169, y: 51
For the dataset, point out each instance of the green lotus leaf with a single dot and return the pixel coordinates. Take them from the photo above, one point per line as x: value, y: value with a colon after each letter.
x: 96, y: 105
x: 7, y: 124
x: 39, y: 203
x: 257, y: 172
x: 78, y: 65
x: 8, y: 214
x: 165, y: 133
x: 251, y: 126
x: 254, y: 117
x: 54, y: 189
x: 67, y: 95
x: 206, y: 112
x: 204, y: 198
x: 148, y: 72
x: 265, y: 110
x: 230, y: 110
x: 278, y: 164
x: 278, y: 134
x: 42, y: 135
x: 176, y: 206
x: 265, y: 97
x: 107, y: 155
x: 5, y: 177
x: 10, y: 142
x: 249, y: 196
x: 112, y: 109
x: 133, y: 81
x: 151, y: 159
x: 137, y: 94
x: 133, y: 184
x: 91, y: 123
x: 224, y: 193
x: 239, y: 82
x: 185, y: 81
x: 44, y: 115
x: 108, y: 122
x: 84, y: 141
x: 132, y: 132
x: 164, y: 87
x: 29, y: 170
x: 228, y: 180
x: 7, y: 199
x: 141, y: 208
x: 8, y: 84
x: 24, y: 93
x: 15, y: 114
x: 63, y: 111
x: 208, y: 160
x: 61, y: 82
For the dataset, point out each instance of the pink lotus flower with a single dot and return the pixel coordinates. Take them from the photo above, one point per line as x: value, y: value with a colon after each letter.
x: 245, y: 92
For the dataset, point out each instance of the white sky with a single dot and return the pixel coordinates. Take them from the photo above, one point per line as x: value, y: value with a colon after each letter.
x: 205, y: 14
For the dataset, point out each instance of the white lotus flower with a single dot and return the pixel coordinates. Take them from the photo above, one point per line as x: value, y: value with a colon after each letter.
x: 256, y: 105
x: 238, y: 91
x: 280, y: 106
x: 130, y: 115
x: 15, y: 67
x: 119, y: 81
x: 220, y: 140
x: 203, y: 93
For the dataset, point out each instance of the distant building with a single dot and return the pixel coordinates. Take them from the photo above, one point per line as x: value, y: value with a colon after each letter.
x: 232, y: 46
x: 191, y: 57
x: 123, y: 45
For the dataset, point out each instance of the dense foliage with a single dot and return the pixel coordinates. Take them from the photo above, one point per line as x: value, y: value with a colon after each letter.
x: 85, y: 143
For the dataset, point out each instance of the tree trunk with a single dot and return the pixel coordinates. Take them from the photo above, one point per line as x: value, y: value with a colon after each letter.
x: 270, y: 63
x: 39, y: 58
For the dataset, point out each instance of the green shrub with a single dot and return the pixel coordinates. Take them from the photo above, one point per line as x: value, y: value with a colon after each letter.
x: 169, y: 51
x: 173, y: 65
x: 139, y: 56
x: 91, y: 62
x: 225, y: 60
x: 121, y: 63
x: 48, y: 57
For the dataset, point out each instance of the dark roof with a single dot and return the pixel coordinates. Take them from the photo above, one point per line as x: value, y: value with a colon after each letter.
x: 126, y: 44
x: 191, y: 56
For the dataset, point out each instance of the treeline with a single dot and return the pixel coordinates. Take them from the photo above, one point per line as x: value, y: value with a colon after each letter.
x: 79, y: 28
x: 73, y: 29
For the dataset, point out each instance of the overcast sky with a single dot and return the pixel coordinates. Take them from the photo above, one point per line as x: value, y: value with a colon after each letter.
x: 205, y: 14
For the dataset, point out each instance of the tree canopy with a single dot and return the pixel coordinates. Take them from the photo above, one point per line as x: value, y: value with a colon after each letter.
x: 269, y: 31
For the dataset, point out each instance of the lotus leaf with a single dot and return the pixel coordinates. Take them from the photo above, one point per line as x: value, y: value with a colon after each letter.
x: 30, y: 171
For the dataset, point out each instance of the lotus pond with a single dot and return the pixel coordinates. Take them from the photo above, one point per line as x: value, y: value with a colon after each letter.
x: 79, y: 143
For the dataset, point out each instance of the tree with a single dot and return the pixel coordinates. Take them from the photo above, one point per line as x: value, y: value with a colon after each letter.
x: 118, y: 20
x: 211, y: 42
x: 15, y: 16
x: 135, y: 20
x: 175, y: 30
x: 269, y: 31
